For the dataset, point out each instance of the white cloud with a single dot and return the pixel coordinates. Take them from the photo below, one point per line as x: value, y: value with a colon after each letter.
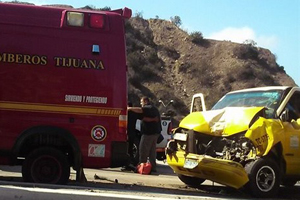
x: 239, y: 35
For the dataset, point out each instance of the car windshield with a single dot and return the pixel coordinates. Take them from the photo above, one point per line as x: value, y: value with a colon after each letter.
x: 268, y: 99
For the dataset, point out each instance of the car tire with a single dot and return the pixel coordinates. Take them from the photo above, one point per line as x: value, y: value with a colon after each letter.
x: 160, y: 156
x: 264, y: 178
x: 191, y: 181
x: 46, y: 165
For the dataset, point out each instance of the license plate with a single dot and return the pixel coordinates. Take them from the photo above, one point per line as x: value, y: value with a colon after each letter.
x: 180, y: 136
x: 190, y: 164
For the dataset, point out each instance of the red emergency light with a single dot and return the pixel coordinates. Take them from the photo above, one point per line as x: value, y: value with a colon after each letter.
x: 97, y: 21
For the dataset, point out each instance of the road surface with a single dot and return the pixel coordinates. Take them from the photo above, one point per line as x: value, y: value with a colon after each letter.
x: 112, y: 183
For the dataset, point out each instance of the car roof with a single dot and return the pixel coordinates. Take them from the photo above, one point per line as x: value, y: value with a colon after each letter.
x: 261, y: 89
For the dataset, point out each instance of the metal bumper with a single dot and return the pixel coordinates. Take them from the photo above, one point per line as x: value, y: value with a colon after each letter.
x: 225, y: 172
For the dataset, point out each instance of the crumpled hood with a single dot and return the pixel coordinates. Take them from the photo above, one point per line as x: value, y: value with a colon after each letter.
x: 223, y: 122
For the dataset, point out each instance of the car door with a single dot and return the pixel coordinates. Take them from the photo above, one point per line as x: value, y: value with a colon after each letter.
x: 291, y: 143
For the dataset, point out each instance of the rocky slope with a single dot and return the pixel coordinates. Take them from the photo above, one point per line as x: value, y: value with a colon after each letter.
x: 164, y: 63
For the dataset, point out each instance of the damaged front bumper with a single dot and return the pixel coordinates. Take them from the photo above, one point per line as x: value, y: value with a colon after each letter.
x: 225, y: 172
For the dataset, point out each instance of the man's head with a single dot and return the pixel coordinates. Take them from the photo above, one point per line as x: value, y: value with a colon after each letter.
x: 144, y: 101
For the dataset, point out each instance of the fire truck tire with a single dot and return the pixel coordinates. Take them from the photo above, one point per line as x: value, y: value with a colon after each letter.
x: 191, y: 181
x: 264, y: 178
x: 46, y: 165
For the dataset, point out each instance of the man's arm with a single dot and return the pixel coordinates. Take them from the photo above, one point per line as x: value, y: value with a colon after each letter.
x: 140, y: 110
x: 135, y: 109
x: 150, y: 119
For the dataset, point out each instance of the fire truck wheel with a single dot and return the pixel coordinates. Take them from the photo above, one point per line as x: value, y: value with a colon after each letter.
x: 264, y: 178
x: 46, y: 165
x: 191, y: 181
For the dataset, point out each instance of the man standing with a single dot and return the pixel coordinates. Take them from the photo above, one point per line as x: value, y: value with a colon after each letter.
x: 150, y: 130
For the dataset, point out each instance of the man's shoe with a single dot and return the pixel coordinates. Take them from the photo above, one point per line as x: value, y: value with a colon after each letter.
x: 131, y: 166
x: 125, y: 168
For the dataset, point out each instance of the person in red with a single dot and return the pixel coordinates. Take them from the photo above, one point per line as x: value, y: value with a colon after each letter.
x: 150, y: 130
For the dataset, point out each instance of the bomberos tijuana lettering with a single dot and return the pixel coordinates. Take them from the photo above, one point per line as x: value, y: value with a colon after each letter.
x: 67, y: 62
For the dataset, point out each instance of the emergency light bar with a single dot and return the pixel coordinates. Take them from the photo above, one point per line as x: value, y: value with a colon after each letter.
x: 75, y: 18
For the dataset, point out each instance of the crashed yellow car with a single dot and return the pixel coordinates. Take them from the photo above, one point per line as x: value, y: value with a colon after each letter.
x: 249, y: 139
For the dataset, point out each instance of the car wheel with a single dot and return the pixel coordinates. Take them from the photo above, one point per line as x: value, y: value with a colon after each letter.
x: 135, y: 151
x: 191, y: 181
x: 264, y: 178
x: 46, y: 165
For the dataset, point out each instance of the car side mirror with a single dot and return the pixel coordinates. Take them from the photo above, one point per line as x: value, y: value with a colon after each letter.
x: 285, y: 115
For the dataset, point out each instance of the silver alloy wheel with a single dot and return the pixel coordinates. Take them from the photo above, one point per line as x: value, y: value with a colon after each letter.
x: 135, y: 150
x: 265, y: 178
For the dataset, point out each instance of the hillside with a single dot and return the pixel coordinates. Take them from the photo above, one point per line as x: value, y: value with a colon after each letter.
x: 164, y: 63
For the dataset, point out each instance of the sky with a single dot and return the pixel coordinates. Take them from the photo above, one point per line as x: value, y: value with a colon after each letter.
x: 272, y: 24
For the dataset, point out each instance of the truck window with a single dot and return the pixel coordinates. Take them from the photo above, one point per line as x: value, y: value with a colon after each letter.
x: 269, y: 99
x: 293, y: 107
x: 197, y: 105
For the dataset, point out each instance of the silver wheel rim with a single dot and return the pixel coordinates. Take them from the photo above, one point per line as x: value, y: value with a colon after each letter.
x: 134, y: 150
x: 265, y: 178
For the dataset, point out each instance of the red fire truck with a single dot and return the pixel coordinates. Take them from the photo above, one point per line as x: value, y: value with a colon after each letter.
x: 63, y: 90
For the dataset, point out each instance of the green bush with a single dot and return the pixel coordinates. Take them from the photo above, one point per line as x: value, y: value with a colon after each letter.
x: 246, y: 51
x: 139, y: 14
x: 176, y: 21
x: 196, y: 37
x: 281, y: 68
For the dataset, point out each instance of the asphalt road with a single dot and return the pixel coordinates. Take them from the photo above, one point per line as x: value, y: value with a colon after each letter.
x: 164, y: 183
